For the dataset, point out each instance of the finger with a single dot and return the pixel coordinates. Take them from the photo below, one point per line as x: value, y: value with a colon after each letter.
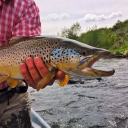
x: 40, y: 66
x: 26, y: 75
x: 60, y: 75
x: 33, y: 70
x: 49, y: 83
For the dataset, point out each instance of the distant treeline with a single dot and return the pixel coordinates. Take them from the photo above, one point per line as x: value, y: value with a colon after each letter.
x: 114, y: 39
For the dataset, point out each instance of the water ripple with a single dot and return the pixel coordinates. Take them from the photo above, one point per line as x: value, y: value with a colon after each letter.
x: 90, y: 105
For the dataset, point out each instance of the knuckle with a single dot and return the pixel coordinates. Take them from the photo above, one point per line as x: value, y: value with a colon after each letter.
x: 27, y: 80
x: 31, y: 67
x: 40, y: 67
x: 50, y: 82
x: 33, y: 85
x: 37, y: 79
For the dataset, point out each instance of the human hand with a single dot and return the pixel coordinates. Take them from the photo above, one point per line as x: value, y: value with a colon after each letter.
x: 35, y: 70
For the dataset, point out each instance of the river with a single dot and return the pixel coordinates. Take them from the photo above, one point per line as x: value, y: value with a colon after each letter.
x: 93, y: 104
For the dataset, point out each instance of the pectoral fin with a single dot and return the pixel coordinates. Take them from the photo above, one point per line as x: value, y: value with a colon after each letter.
x: 12, y: 82
x: 46, y: 79
x: 64, y: 82
x: 3, y: 78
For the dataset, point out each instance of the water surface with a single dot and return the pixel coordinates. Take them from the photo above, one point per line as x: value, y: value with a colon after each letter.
x: 93, y: 104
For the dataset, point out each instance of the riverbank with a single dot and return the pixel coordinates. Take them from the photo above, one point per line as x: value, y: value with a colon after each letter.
x: 118, y: 56
x: 114, y: 39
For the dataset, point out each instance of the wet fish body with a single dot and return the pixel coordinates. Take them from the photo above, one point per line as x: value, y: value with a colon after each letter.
x: 70, y: 56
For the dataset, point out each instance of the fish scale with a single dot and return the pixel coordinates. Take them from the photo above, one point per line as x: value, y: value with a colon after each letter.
x: 70, y: 56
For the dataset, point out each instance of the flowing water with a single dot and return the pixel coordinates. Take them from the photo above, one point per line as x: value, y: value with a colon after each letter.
x: 94, y: 104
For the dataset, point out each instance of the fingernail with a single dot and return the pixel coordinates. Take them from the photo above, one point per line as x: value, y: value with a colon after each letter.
x: 29, y: 60
x: 37, y: 60
x: 61, y: 80
x: 23, y: 66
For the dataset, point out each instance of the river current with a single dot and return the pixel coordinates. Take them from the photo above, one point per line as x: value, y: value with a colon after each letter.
x: 93, y: 104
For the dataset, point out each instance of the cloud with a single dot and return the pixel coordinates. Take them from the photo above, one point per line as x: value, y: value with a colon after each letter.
x: 93, y: 17
x: 55, y: 16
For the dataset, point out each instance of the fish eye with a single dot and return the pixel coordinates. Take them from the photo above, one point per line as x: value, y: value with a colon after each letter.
x: 84, y: 53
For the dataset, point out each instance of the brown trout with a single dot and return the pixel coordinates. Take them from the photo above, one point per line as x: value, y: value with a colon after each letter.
x: 70, y: 56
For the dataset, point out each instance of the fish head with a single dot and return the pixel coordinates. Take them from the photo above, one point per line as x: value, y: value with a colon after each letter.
x: 76, y: 59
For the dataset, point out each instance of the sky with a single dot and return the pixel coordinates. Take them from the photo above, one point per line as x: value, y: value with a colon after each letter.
x: 57, y: 14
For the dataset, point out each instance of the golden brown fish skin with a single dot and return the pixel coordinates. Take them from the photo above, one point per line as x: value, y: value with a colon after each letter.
x: 70, y: 56
x: 17, y: 52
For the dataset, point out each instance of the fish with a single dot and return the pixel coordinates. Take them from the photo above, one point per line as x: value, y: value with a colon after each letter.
x: 58, y: 54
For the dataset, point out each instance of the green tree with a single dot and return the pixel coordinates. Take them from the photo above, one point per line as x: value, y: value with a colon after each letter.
x: 72, y: 32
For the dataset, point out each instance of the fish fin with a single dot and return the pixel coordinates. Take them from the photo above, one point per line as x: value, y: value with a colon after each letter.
x: 46, y: 79
x: 17, y: 39
x: 3, y: 78
x: 12, y: 82
x: 64, y: 82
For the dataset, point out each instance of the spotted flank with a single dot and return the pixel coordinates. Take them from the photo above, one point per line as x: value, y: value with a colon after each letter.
x: 70, y: 56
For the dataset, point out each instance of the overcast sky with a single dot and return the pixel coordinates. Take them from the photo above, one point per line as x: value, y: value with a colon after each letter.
x: 57, y: 14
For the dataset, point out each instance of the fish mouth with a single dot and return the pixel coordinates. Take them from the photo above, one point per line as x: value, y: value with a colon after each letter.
x: 86, y: 66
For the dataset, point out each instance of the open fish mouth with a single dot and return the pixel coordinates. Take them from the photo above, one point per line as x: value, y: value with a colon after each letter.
x: 87, y: 63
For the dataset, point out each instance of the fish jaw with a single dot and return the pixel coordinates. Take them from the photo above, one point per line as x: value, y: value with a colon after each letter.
x: 86, y: 68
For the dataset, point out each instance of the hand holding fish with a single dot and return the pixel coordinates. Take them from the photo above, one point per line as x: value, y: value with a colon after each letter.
x: 35, y: 70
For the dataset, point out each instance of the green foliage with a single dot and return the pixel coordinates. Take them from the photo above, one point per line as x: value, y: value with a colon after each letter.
x: 99, y: 38
x: 127, y: 54
x: 117, y: 52
x: 126, y: 35
x: 114, y: 39
x: 72, y: 32
x: 117, y: 26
